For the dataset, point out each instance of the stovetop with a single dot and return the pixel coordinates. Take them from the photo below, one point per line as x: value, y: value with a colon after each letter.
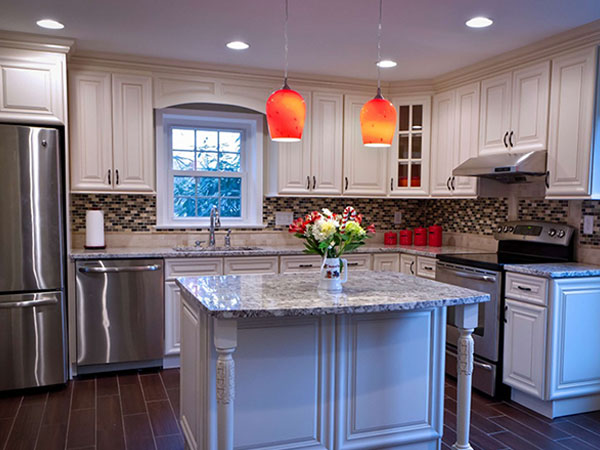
x: 494, y: 261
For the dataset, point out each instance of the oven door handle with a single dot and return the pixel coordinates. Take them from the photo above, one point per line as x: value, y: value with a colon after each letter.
x: 475, y: 277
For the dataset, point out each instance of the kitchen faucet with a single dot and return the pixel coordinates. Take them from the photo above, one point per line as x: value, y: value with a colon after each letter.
x: 215, y: 221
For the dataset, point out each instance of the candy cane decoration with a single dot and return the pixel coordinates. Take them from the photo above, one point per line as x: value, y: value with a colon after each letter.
x: 348, y: 215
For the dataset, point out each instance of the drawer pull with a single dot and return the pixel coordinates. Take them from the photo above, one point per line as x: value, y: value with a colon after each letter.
x: 350, y: 264
x: 304, y: 266
x: 524, y: 288
x: 427, y: 267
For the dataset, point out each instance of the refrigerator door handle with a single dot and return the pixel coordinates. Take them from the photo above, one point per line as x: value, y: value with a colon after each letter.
x: 29, y: 303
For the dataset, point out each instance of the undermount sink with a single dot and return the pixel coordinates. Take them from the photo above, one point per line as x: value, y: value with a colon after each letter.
x: 212, y: 249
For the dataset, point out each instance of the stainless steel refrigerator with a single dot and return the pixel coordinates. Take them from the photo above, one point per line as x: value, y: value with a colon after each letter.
x: 32, y: 295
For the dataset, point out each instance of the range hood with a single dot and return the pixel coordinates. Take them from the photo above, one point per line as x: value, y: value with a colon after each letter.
x: 506, y: 167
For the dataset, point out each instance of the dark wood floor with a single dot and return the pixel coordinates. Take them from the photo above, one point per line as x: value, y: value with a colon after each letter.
x: 137, y: 411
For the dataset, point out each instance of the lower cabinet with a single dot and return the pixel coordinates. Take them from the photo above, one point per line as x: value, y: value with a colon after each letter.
x: 408, y: 264
x: 387, y: 262
x: 258, y: 265
x: 426, y: 267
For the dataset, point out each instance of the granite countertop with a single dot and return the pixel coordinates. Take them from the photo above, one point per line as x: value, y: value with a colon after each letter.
x: 166, y: 252
x: 239, y: 296
x: 556, y: 270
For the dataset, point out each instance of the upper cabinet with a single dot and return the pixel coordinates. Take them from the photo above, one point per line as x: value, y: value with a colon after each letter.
x: 514, y: 110
x: 32, y: 86
x: 112, y: 147
x: 573, y: 163
x: 454, y: 140
x: 409, y: 155
x: 365, y: 169
x: 314, y: 165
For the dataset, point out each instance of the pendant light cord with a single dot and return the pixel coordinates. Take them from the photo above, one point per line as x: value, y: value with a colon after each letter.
x: 285, y: 36
x: 378, y: 48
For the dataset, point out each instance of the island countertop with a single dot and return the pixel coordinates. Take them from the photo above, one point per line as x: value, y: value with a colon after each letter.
x: 240, y: 296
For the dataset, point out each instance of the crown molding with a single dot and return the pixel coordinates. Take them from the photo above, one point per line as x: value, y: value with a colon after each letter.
x: 584, y: 36
x: 29, y: 41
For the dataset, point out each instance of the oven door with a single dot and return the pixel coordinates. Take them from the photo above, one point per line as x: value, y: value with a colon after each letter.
x: 487, y: 333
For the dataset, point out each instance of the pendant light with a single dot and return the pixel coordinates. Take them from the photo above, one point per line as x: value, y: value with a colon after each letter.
x: 378, y: 116
x: 286, y: 109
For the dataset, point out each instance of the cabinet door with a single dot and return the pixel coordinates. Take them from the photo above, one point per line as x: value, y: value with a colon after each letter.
x: 91, y: 131
x: 409, y: 155
x: 386, y: 262
x: 262, y: 265
x: 293, y: 159
x: 494, y: 122
x: 442, y: 143
x: 133, y: 145
x: 365, y: 169
x: 524, y: 347
x: 326, y: 137
x: 466, y: 136
x: 172, y: 325
x: 529, y: 118
x: 32, y: 87
x: 408, y: 264
x: 571, y: 124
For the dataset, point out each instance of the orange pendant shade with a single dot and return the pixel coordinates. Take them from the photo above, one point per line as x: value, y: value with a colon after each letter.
x: 378, y: 122
x: 286, y: 112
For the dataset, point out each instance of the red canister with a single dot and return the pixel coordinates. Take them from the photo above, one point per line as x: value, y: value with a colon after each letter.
x: 405, y: 237
x: 420, y: 237
x: 435, y: 236
x: 390, y: 238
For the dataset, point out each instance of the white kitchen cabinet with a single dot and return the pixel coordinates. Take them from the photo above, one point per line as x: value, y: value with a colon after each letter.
x: 327, y: 144
x: 410, y: 152
x: 32, y: 86
x: 524, y: 347
x: 466, y: 137
x: 514, y: 110
x: 360, y: 261
x: 112, y: 132
x: 442, y: 143
x: 365, y: 169
x: 426, y: 267
x: 258, y: 265
x: 573, y: 165
x: 408, y: 264
x: 387, y: 262
x: 300, y: 263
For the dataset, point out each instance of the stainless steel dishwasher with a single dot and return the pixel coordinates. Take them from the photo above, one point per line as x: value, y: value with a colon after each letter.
x: 120, y: 313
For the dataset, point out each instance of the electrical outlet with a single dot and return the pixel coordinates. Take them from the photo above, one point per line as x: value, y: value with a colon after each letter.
x: 284, y: 218
x: 588, y: 224
x: 397, y: 217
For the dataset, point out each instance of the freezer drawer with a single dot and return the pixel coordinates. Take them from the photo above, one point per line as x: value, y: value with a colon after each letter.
x: 32, y: 344
x: 120, y: 311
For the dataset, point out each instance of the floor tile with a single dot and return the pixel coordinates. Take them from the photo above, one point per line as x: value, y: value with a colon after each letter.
x: 132, y: 400
x: 138, y: 434
x: 107, y: 385
x: 162, y: 419
x: 170, y: 378
x: 82, y: 428
x: 170, y: 443
x: 84, y: 394
x: 109, y: 424
x: 153, y: 387
x: 26, y: 427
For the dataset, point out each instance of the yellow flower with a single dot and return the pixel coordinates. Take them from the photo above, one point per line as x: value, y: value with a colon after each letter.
x: 353, y: 228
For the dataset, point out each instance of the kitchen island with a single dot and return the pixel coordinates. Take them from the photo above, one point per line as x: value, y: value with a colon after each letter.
x: 359, y: 369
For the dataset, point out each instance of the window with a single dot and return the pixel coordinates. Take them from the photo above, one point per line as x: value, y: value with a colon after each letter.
x: 208, y: 159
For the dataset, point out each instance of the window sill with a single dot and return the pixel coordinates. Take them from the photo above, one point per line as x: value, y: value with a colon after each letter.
x: 190, y: 226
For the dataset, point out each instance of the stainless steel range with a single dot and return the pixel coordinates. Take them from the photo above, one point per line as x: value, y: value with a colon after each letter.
x: 518, y: 243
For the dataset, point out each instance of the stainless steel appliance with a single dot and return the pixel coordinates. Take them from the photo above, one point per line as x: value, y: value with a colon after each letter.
x: 505, y: 167
x: 120, y: 313
x: 32, y: 299
x: 519, y: 243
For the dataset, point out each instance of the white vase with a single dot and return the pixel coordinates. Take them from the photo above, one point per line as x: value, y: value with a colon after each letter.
x: 333, y: 274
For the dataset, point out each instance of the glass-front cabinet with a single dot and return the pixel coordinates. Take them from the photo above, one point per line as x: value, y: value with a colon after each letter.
x: 409, y: 155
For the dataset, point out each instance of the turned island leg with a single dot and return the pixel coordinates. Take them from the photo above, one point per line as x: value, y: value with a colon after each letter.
x: 466, y: 321
x: 225, y: 340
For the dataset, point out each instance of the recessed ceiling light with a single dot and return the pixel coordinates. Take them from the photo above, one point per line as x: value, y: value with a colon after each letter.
x: 50, y: 24
x: 479, y: 22
x: 387, y: 63
x: 237, y: 45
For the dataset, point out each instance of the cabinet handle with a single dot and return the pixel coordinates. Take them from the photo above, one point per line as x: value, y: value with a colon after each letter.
x: 314, y: 182
x: 505, y: 318
x: 109, y: 181
x: 350, y: 264
x: 448, y: 184
x: 304, y: 266
x: 510, y: 137
x: 523, y: 288
x: 546, y: 180
x: 307, y: 182
x: 392, y: 184
x: 428, y: 268
x: 412, y: 265
x: 504, y: 139
x: 452, y: 183
x: 117, y: 175
x: 346, y: 188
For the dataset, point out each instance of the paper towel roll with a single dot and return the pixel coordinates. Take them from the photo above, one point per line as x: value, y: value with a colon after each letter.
x: 94, y: 229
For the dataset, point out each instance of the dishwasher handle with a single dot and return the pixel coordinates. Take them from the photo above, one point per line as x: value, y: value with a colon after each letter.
x: 474, y: 276
x: 29, y: 303
x: 149, y: 268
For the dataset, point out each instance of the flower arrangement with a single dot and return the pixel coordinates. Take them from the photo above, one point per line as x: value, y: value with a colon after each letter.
x: 331, y: 235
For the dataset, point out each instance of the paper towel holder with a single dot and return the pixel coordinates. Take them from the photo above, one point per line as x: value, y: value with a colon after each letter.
x: 95, y: 247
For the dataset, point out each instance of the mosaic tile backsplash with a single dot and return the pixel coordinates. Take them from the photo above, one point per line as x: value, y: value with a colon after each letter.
x: 137, y: 213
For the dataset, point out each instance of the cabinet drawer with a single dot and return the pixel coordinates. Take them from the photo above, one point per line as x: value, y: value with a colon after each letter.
x: 426, y: 267
x: 358, y: 262
x: 239, y: 265
x: 527, y: 288
x: 294, y: 264
x: 185, y: 267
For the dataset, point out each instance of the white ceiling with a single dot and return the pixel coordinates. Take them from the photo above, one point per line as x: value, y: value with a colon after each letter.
x: 331, y: 37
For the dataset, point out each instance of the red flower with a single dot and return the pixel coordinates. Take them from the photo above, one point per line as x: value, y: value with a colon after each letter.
x: 371, y: 228
x: 298, y: 226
